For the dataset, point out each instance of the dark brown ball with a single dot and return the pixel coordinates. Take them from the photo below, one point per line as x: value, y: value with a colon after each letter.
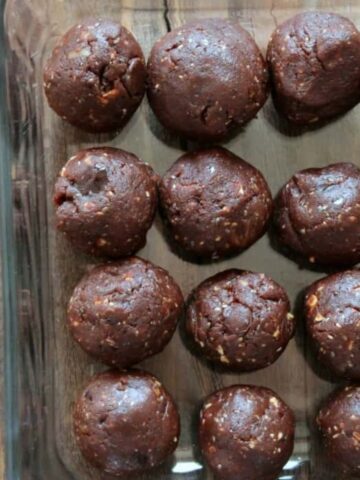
x: 317, y: 214
x: 339, y: 425
x: 240, y: 319
x: 332, y: 311
x: 126, y: 423
x: 106, y: 201
x: 124, y: 312
x: 215, y: 203
x: 95, y: 76
x: 314, y: 59
x: 246, y: 432
x: 206, y: 77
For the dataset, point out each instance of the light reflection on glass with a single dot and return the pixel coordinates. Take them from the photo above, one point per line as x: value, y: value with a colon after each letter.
x: 186, y: 467
x: 191, y: 466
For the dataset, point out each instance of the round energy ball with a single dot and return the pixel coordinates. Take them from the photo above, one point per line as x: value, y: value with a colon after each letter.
x: 206, y: 77
x: 105, y: 201
x: 124, y: 312
x: 317, y: 214
x: 246, y: 432
x: 95, y: 76
x: 314, y: 59
x: 240, y: 319
x: 215, y: 204
x: 126, y: 423
x: 338, y: 422
x: 332, y: 312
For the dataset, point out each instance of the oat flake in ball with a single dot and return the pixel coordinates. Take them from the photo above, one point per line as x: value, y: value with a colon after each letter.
x: 338, y: 422
x: 246, y: 433
x: 240, y: 319
x: 332, y: 312
x: 105, y: 201
x: 126, y: 423
x: 124, y: 312
x: 206, y: 77
x: 314, y: 59
x: 317, y: 214
x: 215, y: 204
x: 95, y: 76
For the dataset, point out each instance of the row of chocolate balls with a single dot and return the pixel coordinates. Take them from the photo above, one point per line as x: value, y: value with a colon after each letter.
x: 214, y: 203
x: 205, y: 77
x: 126, y: 423
x: 126, y: 311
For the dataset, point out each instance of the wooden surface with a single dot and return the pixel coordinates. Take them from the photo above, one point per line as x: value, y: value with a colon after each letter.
x: 273, y: 147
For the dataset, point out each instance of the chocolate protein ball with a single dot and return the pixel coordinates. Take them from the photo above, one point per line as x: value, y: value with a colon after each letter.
x: 126, y: 422
x: 106, y: 201
x: 240, y: 319
x: 215, y: 203
x: 338, y: 422
x: 246, y: 433
x: 317, y: 214
x: 95, y: 76
x: 332, y: 311
x: 206, y: 77
x: 314, y: 59
x: 124, y: 312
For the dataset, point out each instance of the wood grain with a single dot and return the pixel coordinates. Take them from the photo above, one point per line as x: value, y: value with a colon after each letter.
x: 273, y: 147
